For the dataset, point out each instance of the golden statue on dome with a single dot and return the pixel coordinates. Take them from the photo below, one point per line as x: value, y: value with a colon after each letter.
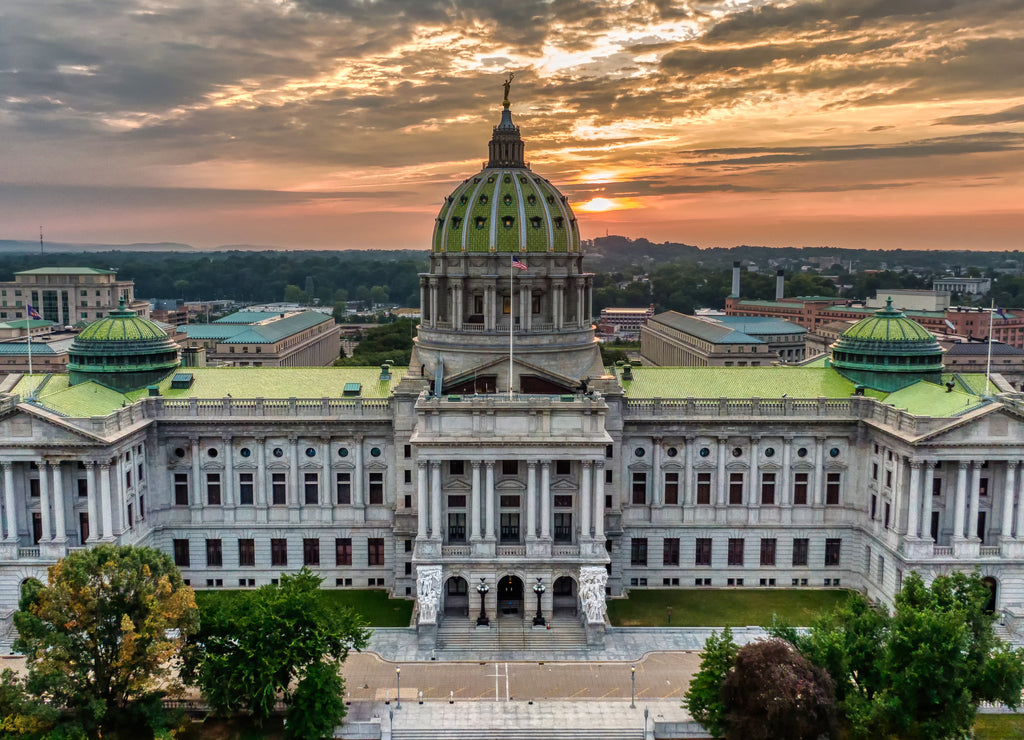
x: 508, y: 86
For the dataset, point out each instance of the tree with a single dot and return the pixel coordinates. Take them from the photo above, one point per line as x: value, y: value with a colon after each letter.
x: 103, y: 639
x: 703, y: 698
x: 773, y: 691
x: 317, y: 704
x: 280, y: 641
x: 21, y: 714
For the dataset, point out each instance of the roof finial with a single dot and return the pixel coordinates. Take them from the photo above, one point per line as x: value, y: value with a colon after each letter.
x: 508, y: 86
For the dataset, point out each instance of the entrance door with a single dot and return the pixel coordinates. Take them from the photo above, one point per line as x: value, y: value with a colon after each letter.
x: 37, y: 527
x: 990, y: 584
x: 510, y: 595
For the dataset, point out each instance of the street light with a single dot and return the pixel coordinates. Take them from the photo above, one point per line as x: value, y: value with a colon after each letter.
x: 398, y: 691
x: 482, y: 588
x: 538, y: 588
x: 632, y: 693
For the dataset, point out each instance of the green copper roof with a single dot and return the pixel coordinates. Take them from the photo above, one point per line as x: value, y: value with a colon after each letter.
x: 889, y: 325
x: 122, y: 325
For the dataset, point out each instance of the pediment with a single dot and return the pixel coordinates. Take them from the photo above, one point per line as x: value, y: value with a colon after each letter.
x: 564, y: 484
x: 212, y: 465
x: 37, y: 428
x: 458, y: 486
x: 309, y: 465
x: 374, y: 465
x: 278, y: 465
x: 640, y: 466
x: 510, y: 485
x: 246, y: 466
x: 996, y: 426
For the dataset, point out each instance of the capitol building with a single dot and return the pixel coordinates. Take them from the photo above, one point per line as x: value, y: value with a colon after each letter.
x: 506, y: 453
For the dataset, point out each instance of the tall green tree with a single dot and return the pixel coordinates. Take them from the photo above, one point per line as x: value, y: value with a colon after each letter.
x: 703, y: 698
x: 280, y: 642
x: 102, y: 640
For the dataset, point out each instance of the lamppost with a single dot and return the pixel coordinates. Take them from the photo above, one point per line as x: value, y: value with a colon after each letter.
x: 482, y: 588
x: 538, y: 588
x: 632, y: 692
x: 398, y: 691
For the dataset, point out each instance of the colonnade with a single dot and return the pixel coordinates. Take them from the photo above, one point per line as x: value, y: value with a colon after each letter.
x: 481, y: 509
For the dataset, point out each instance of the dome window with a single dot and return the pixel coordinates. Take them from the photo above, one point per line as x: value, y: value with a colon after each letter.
x: 456, y: 222
x: 463, y: 200
x: 476, y: 180
x: 507, y: 179
x: 550, y: 199
x: 508, y: 221
x: 522, y: 179
x: 490, y: 179
x: 507, y: 199
x: 531, y: 199
x: 535, y: 222
x: 480, y: 222
x: 559, y: 222
x: 483, y: 200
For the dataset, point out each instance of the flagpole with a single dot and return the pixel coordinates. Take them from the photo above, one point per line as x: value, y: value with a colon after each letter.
x: 511, y: 320
x: 988, y: 361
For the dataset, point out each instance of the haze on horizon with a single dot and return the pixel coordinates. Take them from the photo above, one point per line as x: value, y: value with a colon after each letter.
x: 344, y: 123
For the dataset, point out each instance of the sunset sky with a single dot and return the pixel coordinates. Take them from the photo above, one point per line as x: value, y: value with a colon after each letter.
x: 344, y: 123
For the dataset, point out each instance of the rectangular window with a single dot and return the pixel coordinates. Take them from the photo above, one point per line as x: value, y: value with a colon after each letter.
x: 181, y: 489
x: 82, y: 486
x: 671, y: 488
x: 833, y: 482
x: 800, y: 489
x: 638, y: 551
x: 736, y: 488
x: 279, y: 489
x: 343, y: 485
x: 456, y: 527
x: 768, y: 551
x: 375, y: 551
x: 874, y: 471
x: 563, y: 467
x: 214, y: 556
x: 377, y: 488
x: 311, y: 551
x: 245, y: 489
x: 887, y: 510
x: 563, y: 501
x: 768, y: 488
x: 563, y: 526
x: 279, y: 551
x: 181, y: 553
x: 800, y: 551
x: 670, y: 551
x: 456, y: 467
x: 213, y: 489
x: 83, y: 527
x: 888, y: 479
x: 639, y: 488
x: 702, y: 555
x: 703, y: 488
x: 509, y: 526
x: 874, y: 506
x: 457, y: 501
x: 407, y: 451
x: 936, y: 486
x: 247, y: 553
x: 343, y: 551
x: 983, y: 486
x: 311, y: 487
x: 735, y: 551
x: 510, y: 467
x: 832, y: 547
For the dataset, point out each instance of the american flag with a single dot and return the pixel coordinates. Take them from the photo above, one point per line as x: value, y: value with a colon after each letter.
x: 1001, y: 313
x: 516, y: 262
x: 32, y: 313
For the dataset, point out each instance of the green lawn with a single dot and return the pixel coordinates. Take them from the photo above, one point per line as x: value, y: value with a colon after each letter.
x: 373, y: 604
x: 718, y: 608
x: 999, y: 726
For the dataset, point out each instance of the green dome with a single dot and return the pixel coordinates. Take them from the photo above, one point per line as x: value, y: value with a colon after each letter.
x: 888, y: 351
x: 122, y: 351
x: 506, y: 207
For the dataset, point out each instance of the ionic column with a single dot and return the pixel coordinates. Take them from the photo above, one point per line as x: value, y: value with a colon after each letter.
x: 196, y: 493
x: 44, y: 499
x: 1020, y: 512
x: 689, y: 484
x: 260, y: 494
x: 357, y: 475
x: 474, y: 512
x: 545, y: 500
x: 424, y: 313
x: 528, y: 310
x: 754, y: 485
x: 579, y: 302
x: 720, y: 482
x: 972, y: 518
x: 1009, y: 491
x: 293, y: 480
x: 12, y: 512
x: 914, y: 499
x: 531, y: 501
x: 557, y: 306
x: 433, y: 303
x: 60, y: 525
x: 227, y: 488
x: 599, y: 501
x: 897, y: 493
x: 819, y: 473
x: 435, y: 499
x: 489, y: 500
x: 327, y: 495
x: 586, y: 492
x: 90, y: 490
x: 961, y: 500
x: 926, y: 509
x: 422, y: 512
x: 106, y: 509
x: 786, y: 494
x: 657, y: 487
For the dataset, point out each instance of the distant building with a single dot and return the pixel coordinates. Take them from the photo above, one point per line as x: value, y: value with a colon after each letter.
x: 624, y: 323
x: 911, y: 300
x: 973, y: 357
x: 67, y: 295
x: 267, y: 339
x: 673, y: 338
x: 49, y: 354
x: 168, y: 311
x: 965, y: 286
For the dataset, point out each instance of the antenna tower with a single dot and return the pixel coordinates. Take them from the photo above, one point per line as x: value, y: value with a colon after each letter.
x: 40, y: 240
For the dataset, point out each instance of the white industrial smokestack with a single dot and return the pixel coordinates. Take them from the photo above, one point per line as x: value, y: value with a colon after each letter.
x: 735, y: 280
x: 780, y: 284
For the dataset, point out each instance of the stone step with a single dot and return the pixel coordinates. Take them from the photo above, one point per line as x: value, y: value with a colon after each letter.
x: 512, y: 634
x: 512, y: 733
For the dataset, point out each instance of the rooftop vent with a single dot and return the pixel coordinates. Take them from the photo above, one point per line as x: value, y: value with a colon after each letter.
x: 154, y: 390
x: 352, y: 389
x: 182, y: 380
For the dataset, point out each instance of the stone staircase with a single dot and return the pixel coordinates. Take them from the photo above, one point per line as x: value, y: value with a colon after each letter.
x: 522, y: 733
x: 508, y: 634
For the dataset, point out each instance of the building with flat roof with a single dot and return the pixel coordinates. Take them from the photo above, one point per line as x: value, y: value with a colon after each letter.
x: 470, y: 468
x: 67, y: 295
x: 624, y: 323
x: 267, y: 339
x: 672, y: 338
x: 963, y: 285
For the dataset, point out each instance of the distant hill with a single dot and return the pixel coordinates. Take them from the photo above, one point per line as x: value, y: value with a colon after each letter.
x: 14, y: 246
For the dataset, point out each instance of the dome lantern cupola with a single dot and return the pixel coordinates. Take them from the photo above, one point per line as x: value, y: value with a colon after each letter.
x: 888, y: 351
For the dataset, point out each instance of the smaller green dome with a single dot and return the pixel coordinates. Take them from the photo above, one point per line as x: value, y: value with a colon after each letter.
x: 888, y: 325
x: 122, y: 325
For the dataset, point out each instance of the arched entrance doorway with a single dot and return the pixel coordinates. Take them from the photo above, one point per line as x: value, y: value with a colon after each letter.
x: 456, y: 597
x: 992, y: 586
x: 564, y: 596
x: 510, y: 595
